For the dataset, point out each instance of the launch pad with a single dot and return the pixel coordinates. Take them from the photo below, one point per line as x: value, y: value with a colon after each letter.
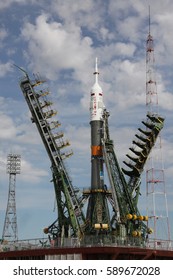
x: 112, y: 226
x: 124, y: 220
x: 121, y: 233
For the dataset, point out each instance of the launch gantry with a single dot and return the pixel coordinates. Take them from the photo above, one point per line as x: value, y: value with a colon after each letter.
x: 70, y: 215
x: 112, y: 210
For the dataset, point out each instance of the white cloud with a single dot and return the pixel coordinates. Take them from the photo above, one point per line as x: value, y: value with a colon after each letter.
x: 27, y: 133
x: 31, y: 173
x: 5, y: 68
x: 7, y: 128
x: 80, y: 138
x: 125, y: 91
x: 122, y: 49
x: 8, y: 3
x: 86, y: 15
x: 164, y: 96
x: 62, y: 49
x: 163, y: 37
x: 105, y: 34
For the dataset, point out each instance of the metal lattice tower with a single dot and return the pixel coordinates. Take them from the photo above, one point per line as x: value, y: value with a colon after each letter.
x: 10, y: 231
x: 155, y: 179
x: 70, y: 215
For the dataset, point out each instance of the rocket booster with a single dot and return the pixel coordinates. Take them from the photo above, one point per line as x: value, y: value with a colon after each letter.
x: 96, y: 113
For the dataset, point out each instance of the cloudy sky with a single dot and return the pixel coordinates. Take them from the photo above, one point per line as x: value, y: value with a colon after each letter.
x: 59, y: 40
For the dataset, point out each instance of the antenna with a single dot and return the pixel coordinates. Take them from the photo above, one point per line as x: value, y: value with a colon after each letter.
x: 149, y: 18
x: 21, y: 69
x: 96, y: 73
x: 155, y: 182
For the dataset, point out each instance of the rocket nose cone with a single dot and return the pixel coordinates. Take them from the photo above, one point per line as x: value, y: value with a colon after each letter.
x: 96, y: 88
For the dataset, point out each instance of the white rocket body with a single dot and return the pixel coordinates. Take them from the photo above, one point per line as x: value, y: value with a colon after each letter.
x: 96, y: 103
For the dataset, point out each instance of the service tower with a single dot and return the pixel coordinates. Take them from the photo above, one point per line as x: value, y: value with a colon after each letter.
x: 97, y: 213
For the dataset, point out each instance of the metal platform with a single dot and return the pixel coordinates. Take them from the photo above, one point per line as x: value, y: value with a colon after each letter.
x: 71, y: 249
x: 88, y: 253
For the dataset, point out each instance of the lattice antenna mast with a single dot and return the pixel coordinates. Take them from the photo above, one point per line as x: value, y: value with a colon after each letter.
x: 155, y: 181
x: 10, y: 231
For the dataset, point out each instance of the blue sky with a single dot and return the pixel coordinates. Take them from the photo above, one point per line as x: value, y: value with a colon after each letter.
x: 60, y: 41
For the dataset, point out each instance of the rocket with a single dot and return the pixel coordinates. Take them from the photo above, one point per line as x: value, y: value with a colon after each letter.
x: 96, y: 115
x: 97, y: 211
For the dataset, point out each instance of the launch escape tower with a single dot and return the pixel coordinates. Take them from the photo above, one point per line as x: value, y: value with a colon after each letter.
x: 155, y: 181
x: 112, y: 211
x: 10, y: 232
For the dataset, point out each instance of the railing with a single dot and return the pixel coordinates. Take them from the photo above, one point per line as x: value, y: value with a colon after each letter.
x: 160, y: 244
x: 87, y: 241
